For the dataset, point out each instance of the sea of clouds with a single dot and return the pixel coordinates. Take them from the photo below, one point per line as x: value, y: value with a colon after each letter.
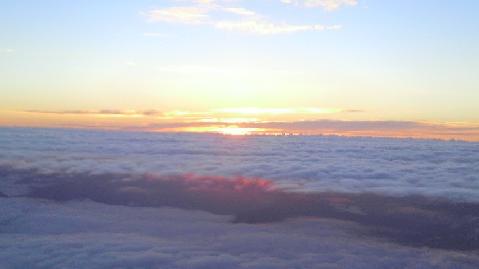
x: 304, y: 163
x: 99, y: 199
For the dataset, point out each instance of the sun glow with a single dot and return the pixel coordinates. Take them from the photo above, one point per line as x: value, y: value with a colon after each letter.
x: 255, y: 111
x: 224, y: 130
x: 277, y: 111
x: 234, y: 130
x: 229, y: 120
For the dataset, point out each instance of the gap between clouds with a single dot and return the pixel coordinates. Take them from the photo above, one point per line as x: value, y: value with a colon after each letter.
x: 225, y: 16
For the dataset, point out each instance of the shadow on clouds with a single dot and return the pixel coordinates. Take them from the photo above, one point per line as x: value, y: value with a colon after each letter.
x: 410, y: 220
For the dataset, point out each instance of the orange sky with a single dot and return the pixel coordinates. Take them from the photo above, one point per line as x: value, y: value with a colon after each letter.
x: 242, y: 121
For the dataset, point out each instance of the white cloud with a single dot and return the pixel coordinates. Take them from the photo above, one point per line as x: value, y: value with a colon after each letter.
x: 329, y: 5
x: 84, y: 234
x: 104, y: 112
x: 249, y: 21
x: 240, y: 11
x: 268, y: 28
x: 188, y: 15
x: 399, y: 166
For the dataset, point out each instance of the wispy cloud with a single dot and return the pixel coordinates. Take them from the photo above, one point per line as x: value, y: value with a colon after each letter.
x: 221, y: 15
x: 278, y: 111
x: 228, y: 112
x: 188, y: 15
x: 267, y: 28
x: 240, y: 11
x: 328, y: 5
x: 111, y: 112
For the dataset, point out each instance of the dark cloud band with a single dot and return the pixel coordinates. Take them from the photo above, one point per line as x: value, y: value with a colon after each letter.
x: 411, y: 220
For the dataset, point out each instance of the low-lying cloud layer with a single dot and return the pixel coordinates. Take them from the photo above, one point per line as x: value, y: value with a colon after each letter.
x: 411, y: 220
x: 97, y: 199
x: 85, y: 234
x: 307, y: 163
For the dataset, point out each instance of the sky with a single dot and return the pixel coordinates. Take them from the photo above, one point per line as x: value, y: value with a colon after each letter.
x: 347, y: 67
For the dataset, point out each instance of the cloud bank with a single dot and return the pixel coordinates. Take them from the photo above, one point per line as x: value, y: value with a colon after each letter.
x: 98, y: 199
x: 308, y: 163
x: 85, y: 234
x: 412, y: 220
x: 375, y: 128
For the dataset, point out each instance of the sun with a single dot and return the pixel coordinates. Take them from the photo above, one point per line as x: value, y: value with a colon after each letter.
x: 234, y: 130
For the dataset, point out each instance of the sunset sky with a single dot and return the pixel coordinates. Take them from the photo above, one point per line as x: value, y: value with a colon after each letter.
x: 347, y: 67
